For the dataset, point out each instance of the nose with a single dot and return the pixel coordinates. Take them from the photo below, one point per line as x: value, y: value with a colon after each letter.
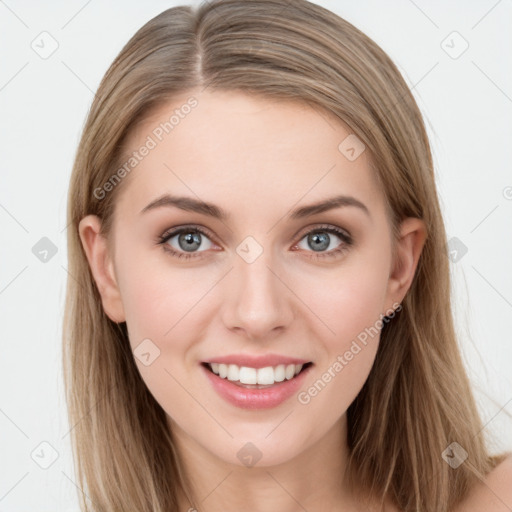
x: 258, y: 302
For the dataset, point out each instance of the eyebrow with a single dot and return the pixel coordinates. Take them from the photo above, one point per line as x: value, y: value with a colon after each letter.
x: 195, y: 205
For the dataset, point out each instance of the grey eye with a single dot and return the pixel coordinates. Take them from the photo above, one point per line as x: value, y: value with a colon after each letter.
x: 190, y: 241
x: 320, y: 241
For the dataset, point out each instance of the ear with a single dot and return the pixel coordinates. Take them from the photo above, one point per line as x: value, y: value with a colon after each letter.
x: 102, y: 268
x: 413, y: 234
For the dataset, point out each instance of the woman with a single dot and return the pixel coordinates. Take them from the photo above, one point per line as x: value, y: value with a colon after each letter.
x: 260, y: 316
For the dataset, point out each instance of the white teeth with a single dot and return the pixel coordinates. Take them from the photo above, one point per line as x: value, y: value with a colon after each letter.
x: 279, y: 373
x: 233, y: 372
x: 264, y: 376
x: 223, y: 370
x: 248, y: 375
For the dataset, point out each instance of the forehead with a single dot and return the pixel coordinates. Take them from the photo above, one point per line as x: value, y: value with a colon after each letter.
x: 246, y: 151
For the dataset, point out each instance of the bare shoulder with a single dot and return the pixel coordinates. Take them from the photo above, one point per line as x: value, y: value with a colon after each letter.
x: 494, y: 494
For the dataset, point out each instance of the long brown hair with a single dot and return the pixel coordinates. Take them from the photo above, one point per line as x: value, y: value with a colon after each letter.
x: 417, y: 399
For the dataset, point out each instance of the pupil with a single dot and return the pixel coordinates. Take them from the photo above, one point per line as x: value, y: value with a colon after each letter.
x: 319, y: 241
x: 191, y: 241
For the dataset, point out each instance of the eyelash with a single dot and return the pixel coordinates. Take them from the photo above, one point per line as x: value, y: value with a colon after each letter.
x: 344, y: 236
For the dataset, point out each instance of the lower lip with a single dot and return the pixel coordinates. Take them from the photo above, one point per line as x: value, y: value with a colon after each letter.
x: 253, y: 398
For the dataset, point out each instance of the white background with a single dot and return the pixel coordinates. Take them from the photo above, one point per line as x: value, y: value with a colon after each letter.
x: 467, y: 104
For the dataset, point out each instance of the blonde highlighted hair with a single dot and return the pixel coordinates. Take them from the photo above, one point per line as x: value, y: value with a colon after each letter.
x: 417, y: 399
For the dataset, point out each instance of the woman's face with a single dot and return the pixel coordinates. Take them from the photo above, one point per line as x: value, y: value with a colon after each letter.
x: 267, y: 274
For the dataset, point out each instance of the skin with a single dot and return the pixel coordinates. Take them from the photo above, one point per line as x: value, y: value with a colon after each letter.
x: 257, y: 159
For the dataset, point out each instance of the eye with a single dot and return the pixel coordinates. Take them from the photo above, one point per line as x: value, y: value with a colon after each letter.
x: 191, y: 241
x: 322, y: 241
x: 185, y: 242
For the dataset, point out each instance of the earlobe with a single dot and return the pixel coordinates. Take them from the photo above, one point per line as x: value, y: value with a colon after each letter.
x: 101, y: 265
x: 413, y: 234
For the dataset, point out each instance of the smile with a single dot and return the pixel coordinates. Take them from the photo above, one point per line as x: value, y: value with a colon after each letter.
x: 254, y: 395
x: 266, y: 376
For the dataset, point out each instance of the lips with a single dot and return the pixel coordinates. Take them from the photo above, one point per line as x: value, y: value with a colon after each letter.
x: 255, y: 396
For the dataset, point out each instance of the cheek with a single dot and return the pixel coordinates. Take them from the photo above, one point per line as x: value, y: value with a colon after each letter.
x: 350, y: 309
x: 148, y: 302
x: 348, y: 300
x: 161, y: 306
x: 349, y: 303
x: 155, y: 297
x: 168, y: 305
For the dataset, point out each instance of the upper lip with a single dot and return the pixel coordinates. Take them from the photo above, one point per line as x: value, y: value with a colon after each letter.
x: 253, y: 361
